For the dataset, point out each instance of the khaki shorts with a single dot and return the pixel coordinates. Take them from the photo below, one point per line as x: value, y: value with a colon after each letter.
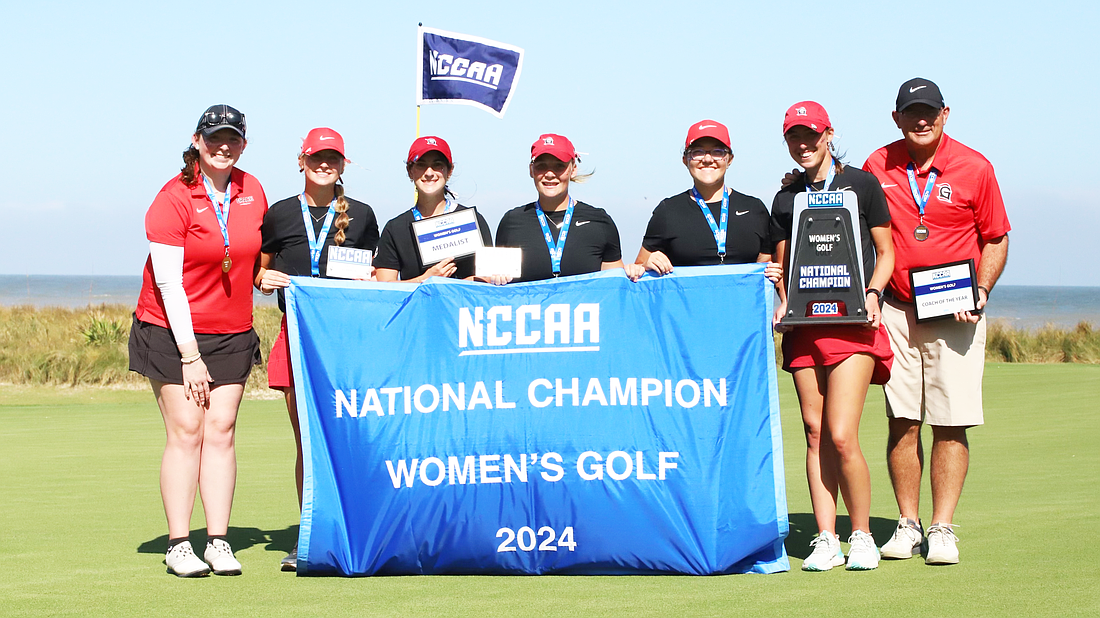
x: 938, y: 365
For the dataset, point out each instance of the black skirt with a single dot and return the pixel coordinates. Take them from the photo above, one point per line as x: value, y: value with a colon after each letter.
x: 229, y: 358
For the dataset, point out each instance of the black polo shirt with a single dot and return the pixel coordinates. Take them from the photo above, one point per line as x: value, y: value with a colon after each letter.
x: 397, y: 248
x: 873, y: 210
x: 593, y: 239
x: 284, y: 234
x: 679, y: 229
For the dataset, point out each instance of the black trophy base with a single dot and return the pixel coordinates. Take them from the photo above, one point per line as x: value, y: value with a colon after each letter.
x: 839, y: 319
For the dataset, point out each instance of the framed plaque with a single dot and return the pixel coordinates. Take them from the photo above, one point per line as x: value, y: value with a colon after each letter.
x: 943, y: 290
x: 348, y: 263
x: 451, y: 235
x: 826, y: 280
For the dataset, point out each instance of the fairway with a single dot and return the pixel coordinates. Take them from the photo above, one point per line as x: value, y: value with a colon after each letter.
x: 82, y: 531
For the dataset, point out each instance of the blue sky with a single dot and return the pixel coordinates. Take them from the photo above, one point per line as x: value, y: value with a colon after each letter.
x: 101, y: 98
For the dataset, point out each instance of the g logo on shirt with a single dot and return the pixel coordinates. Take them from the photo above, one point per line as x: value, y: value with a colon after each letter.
x: 943, y: 193
x: 245, y: 199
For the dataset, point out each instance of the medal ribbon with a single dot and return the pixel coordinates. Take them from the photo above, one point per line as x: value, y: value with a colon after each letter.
x: 828, y: 178
x: 223, y: 216
x: 316, y: 241
x: 450, y: 206
x: 718, y: 229
x: 921, y: 200
x: 556, y: 249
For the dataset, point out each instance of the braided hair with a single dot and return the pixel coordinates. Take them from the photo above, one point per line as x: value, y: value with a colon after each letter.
x: 342, y: 218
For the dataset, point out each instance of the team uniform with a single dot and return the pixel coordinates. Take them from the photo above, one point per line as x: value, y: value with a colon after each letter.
x: 592, y: 240
x: 284, y: 235
x: 397, y: 248
x: 829, y: 344
x: 220, y: 302
x: 939, y: 364
x: 679, y: 229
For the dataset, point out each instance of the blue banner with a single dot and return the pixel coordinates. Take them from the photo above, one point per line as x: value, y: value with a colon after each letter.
x: 467, y: 70
x: 584, y: 425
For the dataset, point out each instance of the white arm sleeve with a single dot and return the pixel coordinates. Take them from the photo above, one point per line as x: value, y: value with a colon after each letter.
x: 168, y: 274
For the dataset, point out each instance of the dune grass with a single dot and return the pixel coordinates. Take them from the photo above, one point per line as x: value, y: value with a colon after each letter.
x: 87, y: 346
x: 1045, y: 345
x: 82, y: 531
x: 77, y: 347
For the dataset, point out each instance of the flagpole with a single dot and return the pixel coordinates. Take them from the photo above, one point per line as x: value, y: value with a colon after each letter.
x: 419, y: 59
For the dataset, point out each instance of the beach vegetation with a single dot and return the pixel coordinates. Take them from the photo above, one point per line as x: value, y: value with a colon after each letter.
x: 87, y: 346
x: 1048, y: 344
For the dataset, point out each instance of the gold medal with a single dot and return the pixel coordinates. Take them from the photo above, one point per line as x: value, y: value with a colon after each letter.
x: 227, y: 263
x: 920, y: 233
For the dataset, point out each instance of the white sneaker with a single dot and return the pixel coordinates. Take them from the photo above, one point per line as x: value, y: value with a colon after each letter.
x: 290, y: 562
x: 220, y: 557
x: 826, y: 555
x: 941, y: 545
x: 182, y: 561
x: 906, y: 541
x: 863, y: 555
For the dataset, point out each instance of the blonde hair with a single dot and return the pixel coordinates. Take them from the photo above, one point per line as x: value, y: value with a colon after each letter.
x: 342, y: 218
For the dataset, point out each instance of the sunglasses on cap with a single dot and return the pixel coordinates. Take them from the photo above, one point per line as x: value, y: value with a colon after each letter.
x: 218, y: 117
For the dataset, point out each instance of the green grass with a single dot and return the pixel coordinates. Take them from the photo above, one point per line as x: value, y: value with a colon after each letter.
x: 82, y: 531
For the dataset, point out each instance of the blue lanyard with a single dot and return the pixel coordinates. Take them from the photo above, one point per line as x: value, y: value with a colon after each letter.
x: 828, y: 178
x: 922, y: 200
x: 556, y: 249
x: 316, y: 241
x: 221, y: 211
x: 719, y: 230
x: 446, y: 209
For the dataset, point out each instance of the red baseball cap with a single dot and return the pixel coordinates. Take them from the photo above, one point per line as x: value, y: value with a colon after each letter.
x: 807, y: 114
x: 322, y: 138
x: 557, y: 146
x: 426, y: 144
x: 708, y: 128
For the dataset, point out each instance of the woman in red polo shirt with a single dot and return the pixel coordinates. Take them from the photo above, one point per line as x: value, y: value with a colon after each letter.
x: 833, y: 365
x: 192, y: 334
x: 297, y: 233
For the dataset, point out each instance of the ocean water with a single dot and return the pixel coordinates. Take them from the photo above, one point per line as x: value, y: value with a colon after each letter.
x: 1021, y: 306
x: 79, y: 291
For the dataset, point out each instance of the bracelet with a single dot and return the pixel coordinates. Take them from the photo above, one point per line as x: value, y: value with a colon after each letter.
x: 875, y: 292
x: 187, y: 360
x: 984, y: 289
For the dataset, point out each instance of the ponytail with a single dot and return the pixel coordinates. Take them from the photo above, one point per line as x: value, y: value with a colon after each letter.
x: 838, y: 157
x: 342, y: 218
x: 190, y: 171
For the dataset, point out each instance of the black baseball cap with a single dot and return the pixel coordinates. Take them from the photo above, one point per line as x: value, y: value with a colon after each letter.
x: 217, y: 117
x: 919, y: 90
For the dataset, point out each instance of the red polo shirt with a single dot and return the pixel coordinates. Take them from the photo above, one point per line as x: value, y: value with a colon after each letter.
x: 183, y: 216
x: 964, y: 210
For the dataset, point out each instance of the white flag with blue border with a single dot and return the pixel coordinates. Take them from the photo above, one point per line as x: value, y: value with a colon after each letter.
x: 466, y: 70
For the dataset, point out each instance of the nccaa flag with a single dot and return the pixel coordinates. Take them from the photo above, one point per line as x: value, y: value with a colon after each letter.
x: 467, y: 70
